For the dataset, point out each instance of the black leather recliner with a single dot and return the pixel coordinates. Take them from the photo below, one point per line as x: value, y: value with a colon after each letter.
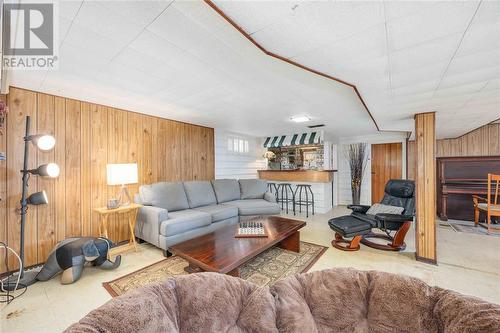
x: 359, y: 225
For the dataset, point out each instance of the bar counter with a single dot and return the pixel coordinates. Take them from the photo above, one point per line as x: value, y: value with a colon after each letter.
x: 309, y: 176
x: 321, y: 182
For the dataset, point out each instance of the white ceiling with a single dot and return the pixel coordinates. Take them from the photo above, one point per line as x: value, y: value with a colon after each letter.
x: 405, y: 57
x: 182, y: 60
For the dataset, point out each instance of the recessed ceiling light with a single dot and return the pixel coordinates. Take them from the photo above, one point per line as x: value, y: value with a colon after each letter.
x: 300, y: 119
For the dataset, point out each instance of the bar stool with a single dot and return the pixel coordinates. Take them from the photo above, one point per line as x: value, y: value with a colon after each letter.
x: 284, y: 189
x: 271, y: 187
x: 306, y: 202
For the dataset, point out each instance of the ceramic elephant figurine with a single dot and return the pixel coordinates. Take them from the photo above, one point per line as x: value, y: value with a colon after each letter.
x: 70, y: 255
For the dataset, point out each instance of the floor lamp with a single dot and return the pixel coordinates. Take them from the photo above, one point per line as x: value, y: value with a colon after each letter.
x: 43, y: 142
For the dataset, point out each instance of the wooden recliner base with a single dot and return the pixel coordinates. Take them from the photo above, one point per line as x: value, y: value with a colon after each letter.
x: 346, y: 245
x: 396, y: 243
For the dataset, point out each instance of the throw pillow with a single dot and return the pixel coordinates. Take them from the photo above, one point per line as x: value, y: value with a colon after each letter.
x: 380, y: 208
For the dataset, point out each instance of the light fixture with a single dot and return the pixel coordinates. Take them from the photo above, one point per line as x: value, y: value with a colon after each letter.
x: 47, y: 170
x: 122, y: 174
x: 300, y: 119
x: 38, y: 198
x: 43, y: 141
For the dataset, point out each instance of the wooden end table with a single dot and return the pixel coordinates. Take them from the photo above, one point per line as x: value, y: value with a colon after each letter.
x: 131, y: 210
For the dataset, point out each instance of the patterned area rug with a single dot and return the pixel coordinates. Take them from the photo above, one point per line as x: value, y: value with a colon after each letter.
x: 468, y: 227
x: 268, y: 267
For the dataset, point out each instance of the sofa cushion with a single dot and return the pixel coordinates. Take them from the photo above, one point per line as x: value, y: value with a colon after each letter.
x: 252, y: 188
x: 219, y: 212
x: 199, y: 193
x: 255, y: 207
x: 184, y: 220
x: 170, y: 196
x: 226, y: 189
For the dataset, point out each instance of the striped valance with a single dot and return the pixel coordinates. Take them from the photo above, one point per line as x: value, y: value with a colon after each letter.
x: 292, y: 140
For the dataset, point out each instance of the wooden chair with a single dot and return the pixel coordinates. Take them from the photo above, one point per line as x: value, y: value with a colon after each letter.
x: 490, y: 204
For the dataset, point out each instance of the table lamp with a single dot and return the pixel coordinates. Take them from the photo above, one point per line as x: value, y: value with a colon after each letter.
x: 122, y: 174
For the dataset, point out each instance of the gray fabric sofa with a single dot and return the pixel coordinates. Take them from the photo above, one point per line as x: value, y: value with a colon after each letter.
x: 177, y: 211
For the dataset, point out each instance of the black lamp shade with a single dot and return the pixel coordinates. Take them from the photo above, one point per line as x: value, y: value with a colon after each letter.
x: 38, y: 198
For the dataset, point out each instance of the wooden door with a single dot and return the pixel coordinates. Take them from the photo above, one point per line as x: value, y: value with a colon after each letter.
x: 386, y: 164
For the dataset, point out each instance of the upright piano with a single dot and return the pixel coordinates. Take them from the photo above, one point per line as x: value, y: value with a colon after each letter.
x: 458, y: 178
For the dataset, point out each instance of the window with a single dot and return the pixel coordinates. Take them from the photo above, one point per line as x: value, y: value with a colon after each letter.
x: 238, y: 145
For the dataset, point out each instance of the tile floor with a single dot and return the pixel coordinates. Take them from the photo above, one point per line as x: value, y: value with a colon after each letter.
x: 468, y: 263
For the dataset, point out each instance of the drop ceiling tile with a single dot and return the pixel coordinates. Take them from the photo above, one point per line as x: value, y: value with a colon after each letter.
x: 460, y: 89
x: 138, y: 12
x: 348, y: 51
x: 146, y: 64
x: 425, y: 54
x: 256, y: 15
x: 105, y: 46
x: 101, y: 20
x: 178, y: 29
x: 473, y: 62
x: 470, y: 77
x: 435, y: 22
x: 480, y: 38
x: 69, y: 9
x: 431, y: 72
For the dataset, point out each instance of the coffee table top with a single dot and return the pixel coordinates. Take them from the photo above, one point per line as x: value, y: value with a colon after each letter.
x: 219, y: 251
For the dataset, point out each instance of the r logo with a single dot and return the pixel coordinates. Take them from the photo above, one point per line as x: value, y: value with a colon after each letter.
x: 28, y: 29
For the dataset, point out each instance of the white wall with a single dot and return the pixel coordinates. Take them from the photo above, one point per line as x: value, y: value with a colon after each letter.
x: 344, y: 174
x: 238, y: 166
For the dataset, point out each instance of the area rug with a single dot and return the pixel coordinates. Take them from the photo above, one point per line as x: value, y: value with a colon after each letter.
x: 468, y: 227
x: 268, y: 267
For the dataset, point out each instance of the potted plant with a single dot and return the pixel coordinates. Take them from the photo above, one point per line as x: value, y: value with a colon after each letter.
x: 356, y: 156
x: 3, y: 114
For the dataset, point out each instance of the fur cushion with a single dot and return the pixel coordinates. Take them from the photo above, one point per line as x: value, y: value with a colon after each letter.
x: 336, y: 300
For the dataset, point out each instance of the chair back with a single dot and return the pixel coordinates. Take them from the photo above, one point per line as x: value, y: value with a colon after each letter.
x: 401, y: 193
x: 493, y: 180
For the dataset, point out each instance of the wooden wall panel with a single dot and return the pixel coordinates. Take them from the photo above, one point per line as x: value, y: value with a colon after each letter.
x: 60, y: 160
x: 73, y: 168
x: 3, y: 186
x: 99, y: 158
x: 149, y: 149
x: 484, y: 141
x: 118, y: 143
x: 425, y: 180
x: 46, y: 214
x: 21, y: 103
x: 88, y: 136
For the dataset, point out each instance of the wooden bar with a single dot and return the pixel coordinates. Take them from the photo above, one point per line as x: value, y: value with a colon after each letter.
x: 312, y: 176
x: 425, y: 180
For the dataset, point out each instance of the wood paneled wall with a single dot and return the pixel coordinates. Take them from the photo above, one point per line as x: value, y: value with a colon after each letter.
x: 484, y: 141
x: 425, y: 181
x: 88, y: 136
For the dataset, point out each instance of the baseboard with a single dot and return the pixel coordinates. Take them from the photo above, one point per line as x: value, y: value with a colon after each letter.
x: 426, y: 260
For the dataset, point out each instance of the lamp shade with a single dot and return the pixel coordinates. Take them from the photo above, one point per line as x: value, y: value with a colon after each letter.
x: 38, y: 198
x: 121, y: 174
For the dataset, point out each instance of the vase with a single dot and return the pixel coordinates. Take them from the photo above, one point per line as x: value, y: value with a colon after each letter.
x: 356, y: 194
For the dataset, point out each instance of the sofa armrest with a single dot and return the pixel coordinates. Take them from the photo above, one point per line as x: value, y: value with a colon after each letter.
x: 358, y: 208
x: 271, y: 197
x: 149, y: 219
x: 384, y: 217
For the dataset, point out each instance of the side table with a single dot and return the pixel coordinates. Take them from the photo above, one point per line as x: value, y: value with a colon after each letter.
x: 131, y: 210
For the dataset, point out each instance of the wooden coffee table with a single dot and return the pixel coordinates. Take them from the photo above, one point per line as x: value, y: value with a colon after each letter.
x: 221, y: 252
